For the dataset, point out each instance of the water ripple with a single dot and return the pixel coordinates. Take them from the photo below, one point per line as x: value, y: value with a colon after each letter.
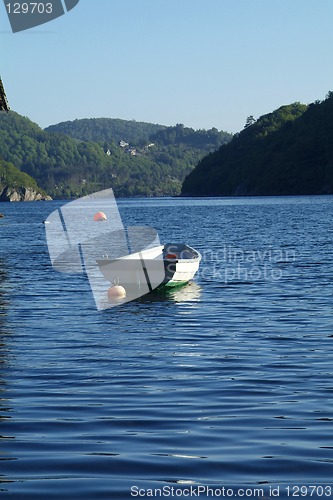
x: 221, y: 382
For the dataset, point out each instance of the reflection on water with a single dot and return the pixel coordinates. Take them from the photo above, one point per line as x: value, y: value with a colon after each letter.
x: 187, y: 293
x: 3, y: 303
x: 4, y: 409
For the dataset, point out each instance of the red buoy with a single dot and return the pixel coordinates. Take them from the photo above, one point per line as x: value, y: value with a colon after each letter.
x: 100, y: 216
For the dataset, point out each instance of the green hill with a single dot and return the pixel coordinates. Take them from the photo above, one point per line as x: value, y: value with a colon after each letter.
x: 287, y: 152
x: 17, y: 184
x: 107, y: 130
x: 68, y: 167
x: 139, y: 134
x: 12, y: 177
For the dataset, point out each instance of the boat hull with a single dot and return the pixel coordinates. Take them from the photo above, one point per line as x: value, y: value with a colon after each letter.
x: 158, y: 267
x: 180, y: 272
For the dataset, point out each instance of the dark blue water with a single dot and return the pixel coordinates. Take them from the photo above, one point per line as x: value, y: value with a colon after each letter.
x: 224, y: 383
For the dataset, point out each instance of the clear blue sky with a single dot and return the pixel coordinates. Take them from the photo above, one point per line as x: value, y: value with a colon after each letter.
x: 203, y: 63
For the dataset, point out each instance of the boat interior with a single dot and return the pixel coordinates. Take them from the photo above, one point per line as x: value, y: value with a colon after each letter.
x: 179, y: 251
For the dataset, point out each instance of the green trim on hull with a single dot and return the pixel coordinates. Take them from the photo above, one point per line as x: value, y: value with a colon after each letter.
x: 172, y: 284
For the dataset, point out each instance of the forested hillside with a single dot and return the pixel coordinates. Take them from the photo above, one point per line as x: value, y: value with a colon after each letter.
x: 13, y: 183
x: 66, y: 167
x: 107, y: 130
x: 289, y: 151
x: 12, y: 177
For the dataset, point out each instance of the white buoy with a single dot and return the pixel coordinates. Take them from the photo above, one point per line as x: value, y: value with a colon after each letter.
x: 116, y: 292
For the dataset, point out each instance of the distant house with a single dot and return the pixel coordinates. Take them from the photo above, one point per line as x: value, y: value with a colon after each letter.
x: 123, y: 144
x: 108, y: 152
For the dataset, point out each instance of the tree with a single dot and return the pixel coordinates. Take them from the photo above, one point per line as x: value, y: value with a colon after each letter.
x: 250, y: 120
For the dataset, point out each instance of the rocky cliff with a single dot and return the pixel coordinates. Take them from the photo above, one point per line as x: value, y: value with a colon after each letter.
x: 22, y: 194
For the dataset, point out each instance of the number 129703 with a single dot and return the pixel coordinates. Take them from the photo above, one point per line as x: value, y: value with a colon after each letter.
x: 29, y: 8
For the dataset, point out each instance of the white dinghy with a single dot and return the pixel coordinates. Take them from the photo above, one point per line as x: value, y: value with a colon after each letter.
x: 180, y: 262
